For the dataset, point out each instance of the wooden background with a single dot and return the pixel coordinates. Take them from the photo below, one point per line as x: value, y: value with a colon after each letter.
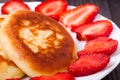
x: 109, y: 9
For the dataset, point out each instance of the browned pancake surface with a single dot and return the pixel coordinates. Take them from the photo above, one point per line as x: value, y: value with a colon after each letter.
x: 37, y: 44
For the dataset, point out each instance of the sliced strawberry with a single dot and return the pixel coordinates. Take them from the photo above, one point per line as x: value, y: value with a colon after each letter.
x: 89, y: 64
x: 58, y: 76
x: 94, y: 29
x: 82, y: 52
x: 80, y: 15
x: 12, y: 5
x: 63, y: 76
x: 103, y: 45
x: 52, y: 8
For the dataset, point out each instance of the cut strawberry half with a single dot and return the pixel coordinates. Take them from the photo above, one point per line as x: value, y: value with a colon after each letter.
x: 13, y: 5
x: 89, y: 64
x: 82, y: 52
x: 103, y: 45
x: 52, y: 8
x: 80, y: 15
x: 94, y: 29
x: 58, y: 76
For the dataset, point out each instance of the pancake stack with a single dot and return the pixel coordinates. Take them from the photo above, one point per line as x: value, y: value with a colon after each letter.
x: 36, y: 44
x: 7, y: 68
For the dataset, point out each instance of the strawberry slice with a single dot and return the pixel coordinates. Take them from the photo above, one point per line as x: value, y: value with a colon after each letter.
x: 58, y: 76
x: 12, y: 5
x: 80, y: 15
x: 82, y: 52
x: 94, y: 29
x: 52, y: 8
x: 88, y: 64
x: 103, y: 45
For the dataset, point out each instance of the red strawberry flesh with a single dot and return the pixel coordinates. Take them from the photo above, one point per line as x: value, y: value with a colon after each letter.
x: 80, y: 15
x: 52, y: 8
x: 94, y: 29
x: 101, y: 45
x: 88, y: 64
x: 58, y: 76
x: 13, y: 5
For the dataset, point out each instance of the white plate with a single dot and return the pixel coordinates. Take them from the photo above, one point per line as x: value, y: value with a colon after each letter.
x: 115, y: 58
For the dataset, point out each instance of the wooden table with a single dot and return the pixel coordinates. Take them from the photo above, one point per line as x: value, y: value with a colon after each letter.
x: 109, y: 9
